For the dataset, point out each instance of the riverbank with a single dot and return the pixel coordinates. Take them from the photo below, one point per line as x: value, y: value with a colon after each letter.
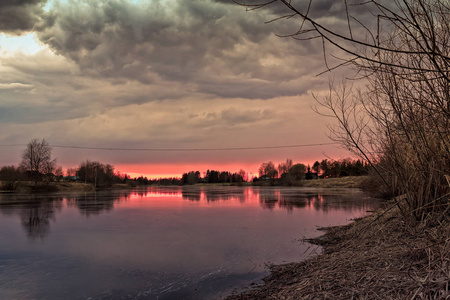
x: 376, y: 257
x: 28, y: 187
x: 342, y: 182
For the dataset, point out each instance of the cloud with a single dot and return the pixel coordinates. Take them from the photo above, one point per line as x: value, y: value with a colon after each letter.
x: 14, y: 86
x: 191, y: 123
x: 44, y: 87
x: 20, y: 15
x: 162, y: 74
x: 111, y: 54
x: 216, y: 48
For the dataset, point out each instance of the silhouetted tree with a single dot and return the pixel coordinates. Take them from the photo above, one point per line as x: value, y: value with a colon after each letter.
x: 298, y: 171
x: 335, y: 169
x: 212, y: 176
x: 224, y: 177
x: 59, y: 173
x: 243, y: 175
x: 267, y: 168
x: 10, y: 177
x: 325, y: 167
x: 97, y: 173
x: 316, y: 167
x: 71, y: 172
x: 37, y: 160
x: 283, y: 168
x: 399, y: 123
x: 141, y: 180
x: 192, y: 177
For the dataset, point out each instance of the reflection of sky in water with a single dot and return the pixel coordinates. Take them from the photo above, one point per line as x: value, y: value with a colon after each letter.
x: 186, y: 242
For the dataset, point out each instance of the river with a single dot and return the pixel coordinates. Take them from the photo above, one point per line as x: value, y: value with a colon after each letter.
x: 160, y: 242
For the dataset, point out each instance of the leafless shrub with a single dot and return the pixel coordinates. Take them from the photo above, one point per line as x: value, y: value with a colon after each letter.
x: 399, y: 121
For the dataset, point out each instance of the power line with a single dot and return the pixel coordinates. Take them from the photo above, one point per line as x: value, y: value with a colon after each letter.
x: 180, y: 149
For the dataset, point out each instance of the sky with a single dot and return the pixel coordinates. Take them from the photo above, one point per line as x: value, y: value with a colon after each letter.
x: 162, y: 74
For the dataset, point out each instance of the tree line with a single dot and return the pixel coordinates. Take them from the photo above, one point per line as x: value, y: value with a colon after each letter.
x: 323, y: 169
x: 288, y: 173
x: 285, y: 173
x: 398, y: 120
x: 38, y: 166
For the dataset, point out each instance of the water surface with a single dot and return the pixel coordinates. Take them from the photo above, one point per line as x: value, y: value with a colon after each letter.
x: 160, y: 243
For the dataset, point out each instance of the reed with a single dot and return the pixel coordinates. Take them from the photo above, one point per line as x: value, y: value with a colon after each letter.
x: 376, y: 257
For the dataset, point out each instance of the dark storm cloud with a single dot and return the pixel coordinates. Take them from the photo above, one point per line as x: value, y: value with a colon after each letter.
x: 31, y: 114
x: 121, y: 53
x: 19, y: 15
x: 216, y: 47
x: 331, y: 14
x: 232, y: 116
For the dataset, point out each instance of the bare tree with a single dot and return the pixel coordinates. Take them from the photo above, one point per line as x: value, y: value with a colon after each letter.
x: 59, y: 174
x: 369, y: 39
x: 298, y: 171
x: 10, y: 177
x: 37, y: 160
x: 283, y: 168
x: 399, y: 122
x: 267, y: 169
x: 71, y: 172
x: 97, y: 173
x: 242, y: 174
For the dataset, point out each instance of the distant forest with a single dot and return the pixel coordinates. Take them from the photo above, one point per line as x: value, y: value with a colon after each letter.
x: 38, y: 166
x: 286, y: 173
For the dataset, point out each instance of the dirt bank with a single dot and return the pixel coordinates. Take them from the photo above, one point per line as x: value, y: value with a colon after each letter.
x: 376, y: 257
x: 28, y: 187
x: 344, y: 182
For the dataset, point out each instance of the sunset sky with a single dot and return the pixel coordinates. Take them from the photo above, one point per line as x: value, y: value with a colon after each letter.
x: 161, y: 74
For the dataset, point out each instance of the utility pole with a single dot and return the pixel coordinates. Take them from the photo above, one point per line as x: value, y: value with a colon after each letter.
x: 95, y: 170
x: 32, y: 173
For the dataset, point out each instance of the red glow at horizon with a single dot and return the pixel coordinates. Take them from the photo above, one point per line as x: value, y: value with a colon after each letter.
x: 156, y: 171
x: 176, y: 170
x: 165, y: 168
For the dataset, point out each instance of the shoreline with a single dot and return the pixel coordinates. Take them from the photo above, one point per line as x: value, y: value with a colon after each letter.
x: 64, y: 186
x: 375, y: 257
x: 69, y: 187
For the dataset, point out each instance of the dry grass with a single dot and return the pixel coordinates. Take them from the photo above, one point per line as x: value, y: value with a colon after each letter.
x: 76, y: 187
x: 346, y: 182
x: 377, y: 257
x: 28, y: 187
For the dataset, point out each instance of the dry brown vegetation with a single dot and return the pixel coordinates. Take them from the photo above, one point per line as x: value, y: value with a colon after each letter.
x: 376, y: 257
x: 398, y: 121
x: 345, y: 182
x: 27, y: 187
